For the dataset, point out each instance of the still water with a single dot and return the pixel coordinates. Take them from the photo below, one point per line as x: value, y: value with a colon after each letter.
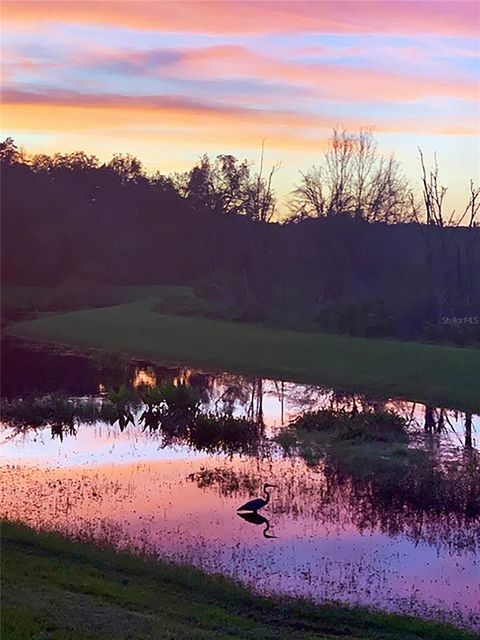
x: 351, y: 526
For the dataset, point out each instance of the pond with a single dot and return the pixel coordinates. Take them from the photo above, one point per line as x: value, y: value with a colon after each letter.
x: 358, y: 522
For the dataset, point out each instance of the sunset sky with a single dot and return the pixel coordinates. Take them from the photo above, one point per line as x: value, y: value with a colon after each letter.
x: 168, y: 81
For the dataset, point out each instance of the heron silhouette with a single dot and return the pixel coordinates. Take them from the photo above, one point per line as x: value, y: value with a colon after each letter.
x: 255, y: 518
x: 258, y: 503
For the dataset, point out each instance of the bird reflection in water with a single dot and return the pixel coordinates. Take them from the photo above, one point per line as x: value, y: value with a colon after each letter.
x: 255, y: 518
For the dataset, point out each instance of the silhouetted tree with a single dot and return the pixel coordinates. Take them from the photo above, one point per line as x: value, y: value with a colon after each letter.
x: 353, y: 179
x: 128, y: 167
x: 451, y: 269
x: 227, y: 186
x: 10, y: 153
x: 70, y: 221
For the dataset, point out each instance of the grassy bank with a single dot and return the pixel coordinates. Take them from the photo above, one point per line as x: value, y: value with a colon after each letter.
x: 57, y: 589
x: 438, y: 375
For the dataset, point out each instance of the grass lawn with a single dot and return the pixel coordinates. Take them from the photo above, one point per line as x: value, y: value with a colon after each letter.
x: 438, y: 375
x: 53, y: 588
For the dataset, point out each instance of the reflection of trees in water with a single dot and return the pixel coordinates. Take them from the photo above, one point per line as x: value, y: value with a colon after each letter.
x: 242, y: 395
x: 306, y: 397
x: 175, y: 410
x: 426, y: 490
x: 59, y: 430
x: 229, y: 393
x: 255, y: 410
x: 232, y: 393
x: 424, y: 494
x: 434, y: 420
x: 468, y: 430
x: 418, y: 496
x: 439, y: 420
x: 224, y: 392
x: 172, y: 411
x: 302, y: 397
x: 227, y: 481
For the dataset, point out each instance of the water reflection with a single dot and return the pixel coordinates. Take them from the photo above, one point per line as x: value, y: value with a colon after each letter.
x: 255, y: 518
x: 25, y: 372
x: 175, y: 415
x: 144, y: 377
x: 421, y: 503
x: 390, y: 525
x: 320, y: 553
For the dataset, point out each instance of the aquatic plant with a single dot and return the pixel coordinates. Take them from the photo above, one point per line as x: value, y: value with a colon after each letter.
x: 170, y: 407
x: 227, y: 433
x: 121, y: 397
x: 179, y: 397
x: 151, y: 396
x: 380, y: 426
x: 55, y: 410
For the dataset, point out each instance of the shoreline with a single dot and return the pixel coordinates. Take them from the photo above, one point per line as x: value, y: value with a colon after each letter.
x: 428, y: 374
x: 109, y: 586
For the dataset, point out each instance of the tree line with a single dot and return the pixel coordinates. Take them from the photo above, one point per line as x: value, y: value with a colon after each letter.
x: 358, y: 252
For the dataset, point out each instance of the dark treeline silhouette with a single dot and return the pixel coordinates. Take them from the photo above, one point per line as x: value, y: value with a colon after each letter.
x: 357, y: 255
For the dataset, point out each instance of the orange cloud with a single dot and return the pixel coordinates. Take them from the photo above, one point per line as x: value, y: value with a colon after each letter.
x: 71, y: 111
x: 244, y: 17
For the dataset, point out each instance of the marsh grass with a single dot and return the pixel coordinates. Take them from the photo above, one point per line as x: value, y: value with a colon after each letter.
x: 369, y: 426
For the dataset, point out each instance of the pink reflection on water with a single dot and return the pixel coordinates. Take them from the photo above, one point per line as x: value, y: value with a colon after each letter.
x: 158, y: 506
x: 277, y: 403
x: 128, y: 488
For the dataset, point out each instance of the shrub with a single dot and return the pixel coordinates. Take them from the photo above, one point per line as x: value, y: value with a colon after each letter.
x: 210, y: 432
x: 367, y: 319
x: 381, y: 426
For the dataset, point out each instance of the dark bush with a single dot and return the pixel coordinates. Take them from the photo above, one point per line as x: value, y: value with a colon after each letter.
x: 381, y: 426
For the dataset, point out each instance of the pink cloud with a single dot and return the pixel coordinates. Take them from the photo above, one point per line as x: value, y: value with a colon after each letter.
x: 454, y: 18
x: 12, y: 63
x: 330, y: 80
x: 324, y: 80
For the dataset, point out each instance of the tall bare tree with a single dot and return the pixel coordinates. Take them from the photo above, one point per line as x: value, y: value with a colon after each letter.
x: 451, y: 278
x: 353, y: 179
x: 261, y: 202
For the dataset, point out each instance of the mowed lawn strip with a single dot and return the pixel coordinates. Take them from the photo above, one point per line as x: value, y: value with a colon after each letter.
x: 56, y: 589
x: 437, y: 375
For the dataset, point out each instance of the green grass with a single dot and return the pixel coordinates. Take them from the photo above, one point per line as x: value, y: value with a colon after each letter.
x: 56, y: 589
x: 438, y: 375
